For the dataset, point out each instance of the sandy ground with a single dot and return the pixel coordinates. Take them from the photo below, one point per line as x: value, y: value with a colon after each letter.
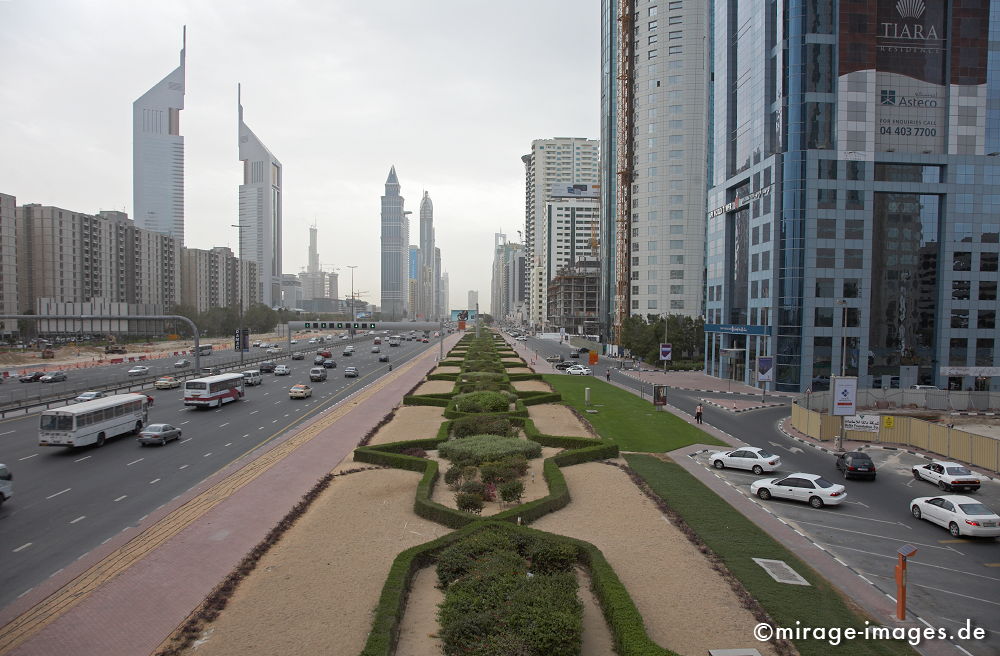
x: 520, y: 370
x: 436, y: 387
x: 555, y: 419
x: 317, y: 588
x: 446, y: 370
x: 411, y: 422
x: 671, y: 583
x: 531, y: 386
x: 512, y: 358
x: 534, y: 483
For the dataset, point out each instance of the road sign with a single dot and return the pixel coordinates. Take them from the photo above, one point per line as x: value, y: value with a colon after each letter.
x: 666, y: 351
x: 845, y: 396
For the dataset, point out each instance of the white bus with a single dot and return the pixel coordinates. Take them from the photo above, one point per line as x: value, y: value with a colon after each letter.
x: 213, y: 391
x: 93, y: 422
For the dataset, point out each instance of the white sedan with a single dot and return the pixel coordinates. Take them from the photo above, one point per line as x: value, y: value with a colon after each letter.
x: 138, y: 370
x: 810, y: 488
x: 960, y: 515
x: 947, y: 475
x: 521, y: 338
x: 747, y: 457
x: 579, y: 370
x: 89, y: 396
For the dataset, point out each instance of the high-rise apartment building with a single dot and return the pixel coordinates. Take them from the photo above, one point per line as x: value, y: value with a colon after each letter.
x: 851, y: 224
x: 212, y: 278
x: 427, y: 272
x: 507, y: 283
x: 8, y: 263
x: 413, y: 278
x: 314, y: 279
x: 158, y: 155
x: 437, y: 284
x: 654, y: 90
x: 395, y: 251
x: 260, y: 211
x: 572, y: 226
x: 553, y: 164
x: 444, y: 311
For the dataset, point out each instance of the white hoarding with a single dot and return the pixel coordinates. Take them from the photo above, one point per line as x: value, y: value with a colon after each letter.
x: 845, y: 396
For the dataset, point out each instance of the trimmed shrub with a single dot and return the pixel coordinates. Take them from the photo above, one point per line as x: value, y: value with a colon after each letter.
x: 481, y: 376
x: 478, y: 449
x: 496, y: 472
x: 459, y: 558
x: 483, y: 425
x: 473, y: 487
x: 518, y: 463
x: 425, y: 400
x: 453, y: 477
x: 470, y: 503
x: 549, y: 557
x: 511, y: 491
x: 415, y: 452
x: 483, y: 402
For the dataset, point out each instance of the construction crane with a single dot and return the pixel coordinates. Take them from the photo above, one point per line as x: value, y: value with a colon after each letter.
x: 625, y: 143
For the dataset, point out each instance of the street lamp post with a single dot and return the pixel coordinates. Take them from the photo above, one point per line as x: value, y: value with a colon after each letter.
x: 843, y: 332
x: 352, y: 267
x: 239, y: 287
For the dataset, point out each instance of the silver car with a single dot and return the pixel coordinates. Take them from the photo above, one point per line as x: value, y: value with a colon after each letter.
x: 159, y: 434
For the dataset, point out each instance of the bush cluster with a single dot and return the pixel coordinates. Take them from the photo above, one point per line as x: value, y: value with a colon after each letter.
x: 497, y: 603
x: 475, y: 450
x: 483, y: 425
x: 484, y: 402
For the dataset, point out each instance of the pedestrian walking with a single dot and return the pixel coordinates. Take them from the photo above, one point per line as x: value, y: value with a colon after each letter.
x: 607, y: 374
x: 697, y: 413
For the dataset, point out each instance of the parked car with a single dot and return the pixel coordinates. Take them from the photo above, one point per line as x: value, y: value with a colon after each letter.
x: 299, y: 392
x: 809, y: 488
x: 138, y: 370
x: 383, y: 358
x: 90, y: 396
x: 579, y: 370
x: 282, y: 370
x: 553, y: 358
x: 351, y: 372
x: 317, y: 374
x: 166, y: 382
x: 267, y: 366
x: 947, y: 475
x: 960, y: 515
x: 32, y: 377
x: 298, y: 355
x: 158, y: 434
x: 521, y: 338
x: 753, y: 458
x: 857, y: 464
x: 53, y: 377
x: 330, y: 363
x: 181, y: 364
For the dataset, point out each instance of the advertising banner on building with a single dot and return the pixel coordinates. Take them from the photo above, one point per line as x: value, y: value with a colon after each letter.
x: 563, y: 190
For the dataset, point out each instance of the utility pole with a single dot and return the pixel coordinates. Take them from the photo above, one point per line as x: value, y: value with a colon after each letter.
x: 843, y: 332
x: 239, y: 286
x: 352, y: 267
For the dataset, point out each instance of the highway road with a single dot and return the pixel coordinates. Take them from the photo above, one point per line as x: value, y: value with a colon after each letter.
x: 950, y: 580
x: 68, y: 501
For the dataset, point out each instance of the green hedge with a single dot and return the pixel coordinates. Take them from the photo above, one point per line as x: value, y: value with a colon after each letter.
x: 524, y: 376
x: 620, y: 613
x: 477, y: 449
x: 535, y: 398
x: 451, y: 377
x: 424, y: 399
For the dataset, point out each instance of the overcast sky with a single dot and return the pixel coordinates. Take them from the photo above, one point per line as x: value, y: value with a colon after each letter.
x: 450, y: 91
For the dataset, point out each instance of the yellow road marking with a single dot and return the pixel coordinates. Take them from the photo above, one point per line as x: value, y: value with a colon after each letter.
x: 955, y: 541
x: 991, y: 564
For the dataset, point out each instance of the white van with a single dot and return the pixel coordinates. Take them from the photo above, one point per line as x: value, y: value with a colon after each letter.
x: 252, y: 377
x: 6, y: 486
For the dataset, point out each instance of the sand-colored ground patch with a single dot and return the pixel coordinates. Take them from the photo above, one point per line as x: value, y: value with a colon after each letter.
x: 446, y: 370
x: 520, y: 370
x: 411, y: 422
x: 512, y: 358
x: 531, y: 386
x: 435, y: 387
x: 672, y: 584
x: 556, y: 419
x: 315, y: 591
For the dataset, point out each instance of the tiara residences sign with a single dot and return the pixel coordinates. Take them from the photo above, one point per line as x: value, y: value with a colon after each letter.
x: 740, y: 201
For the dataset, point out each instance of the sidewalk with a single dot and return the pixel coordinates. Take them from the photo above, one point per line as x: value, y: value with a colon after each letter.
x: 127, y: 596
x: 697, y: 381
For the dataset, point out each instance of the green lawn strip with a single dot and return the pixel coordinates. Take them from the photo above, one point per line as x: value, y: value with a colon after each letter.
x: 736, y: 540
x: 630, y: 421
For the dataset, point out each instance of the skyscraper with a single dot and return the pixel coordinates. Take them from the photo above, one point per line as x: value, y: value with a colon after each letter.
x: 507, y: 283
x: 8, y: 263
x: 314, y: 279
x: 428, y: 282
x: 158, y: 155
x: 444, y: 311
x: 260, y: 211
x: 395, y: 251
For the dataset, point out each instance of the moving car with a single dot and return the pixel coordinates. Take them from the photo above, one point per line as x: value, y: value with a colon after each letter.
x: 313, y: 340
x: 210, y: 371
x: 746, y: 457
x: 351, y: 372
x: 579, y: 370
x: 274, y: 350
x: 282, y: 370
x: 564, y: 365
x: 138, y: 370
x: 33, y: 377
x: 383, y: 358
x: 267, y: 366
x: 960, y: 515
x: 857, y: 464
x: 947, y: 475
x: 348, y: 353
x: 158, y: 434
x: 521, y: 338
x: 317, y: 374
x: 324, y: 353
x: 300, y: 392
x: 809, y: 488
x: 89, y: 396
x: 376, y: 349
x: 298, y: 355
x: 330, y: 363
x: 166, y: 382
x: 319, y: 360
x: 424, y: 340
x: 53, y: 377
x: 252, y: 377
x: 553, y: 358
x: 6, y: 486
x: 181, y: 364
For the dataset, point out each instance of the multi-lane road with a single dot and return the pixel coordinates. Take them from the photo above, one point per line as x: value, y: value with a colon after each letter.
x: 68, y: 501
x: 950, y: 580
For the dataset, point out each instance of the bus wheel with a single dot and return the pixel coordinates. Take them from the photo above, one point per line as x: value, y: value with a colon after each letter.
x: 100, y: 439
x: 138, y: 428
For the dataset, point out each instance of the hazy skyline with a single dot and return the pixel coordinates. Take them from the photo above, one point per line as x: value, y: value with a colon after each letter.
x: 452, y: 93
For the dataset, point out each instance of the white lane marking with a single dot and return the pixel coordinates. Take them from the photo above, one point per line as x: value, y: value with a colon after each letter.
x: 247, y: 435
x: 228, y: 444
x: 55, y: 572
x: 78, y: 519
x: 277, y: 402
x: 134, y: 461
x: 121, y: 497
x: 207, y: 454
x: 82, y: 459
x: 23, y: 546
x: 275, y: 421
x: 255, y: 412
x: 7, y: 433
x: 185, y: 440
x: 106, y: 540
x: 155, y: 480
x: 287, y: 415
x: 962, y: 649
x: 26, y: 457
x: 266, y: 393
x: 182, y: 466
x: 185, y: 422
x: 915, y: 563
x: 58, y: 493
x: 884, y: 537
x: 957, y: 594
x: 224, y: 425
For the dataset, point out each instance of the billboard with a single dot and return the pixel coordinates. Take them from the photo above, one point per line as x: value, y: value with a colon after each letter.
x: 666, y: 352
x: 463, y: 315
x: 659, y: 395
x: 563, y: 190
x: 845, y: 396
x: 765, y: 369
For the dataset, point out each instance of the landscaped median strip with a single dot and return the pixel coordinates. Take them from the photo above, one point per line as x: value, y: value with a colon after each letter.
x: 28, y: 623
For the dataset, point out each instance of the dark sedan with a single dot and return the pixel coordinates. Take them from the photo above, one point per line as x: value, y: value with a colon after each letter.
x: 330, y: 364
x: 562, y: 366
x: 53, y: 377
x: 856, y: 464
x: 33, y: 377
x: 268, y: 366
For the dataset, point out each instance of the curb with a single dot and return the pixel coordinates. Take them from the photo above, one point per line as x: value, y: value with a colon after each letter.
x: 739, y: 410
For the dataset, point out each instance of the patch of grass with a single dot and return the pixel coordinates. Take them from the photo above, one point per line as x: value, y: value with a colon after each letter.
x: 632, y: 423
x: 736, y: 540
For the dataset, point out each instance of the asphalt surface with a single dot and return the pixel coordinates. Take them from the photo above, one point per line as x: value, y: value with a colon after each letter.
x: 950, y: 581
x: 68, y: 501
